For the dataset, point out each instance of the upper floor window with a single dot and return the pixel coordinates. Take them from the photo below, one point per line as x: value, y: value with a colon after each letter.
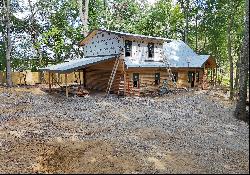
x: 128, y: 48
x: 150, y: 50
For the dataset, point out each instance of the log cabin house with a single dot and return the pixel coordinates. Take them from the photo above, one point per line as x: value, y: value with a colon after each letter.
x: 133, y: 64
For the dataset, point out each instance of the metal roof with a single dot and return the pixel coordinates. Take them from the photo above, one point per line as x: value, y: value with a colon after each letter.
x: 136, y: 35
x: 196, y: 62
x: 179, y: 55
x: 125, y: 34
x: 77, y: 64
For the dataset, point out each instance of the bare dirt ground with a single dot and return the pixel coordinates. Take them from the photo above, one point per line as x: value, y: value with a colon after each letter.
x: 193, y: 132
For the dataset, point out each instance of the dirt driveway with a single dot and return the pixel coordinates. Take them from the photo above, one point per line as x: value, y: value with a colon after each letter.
x: 188, y: 133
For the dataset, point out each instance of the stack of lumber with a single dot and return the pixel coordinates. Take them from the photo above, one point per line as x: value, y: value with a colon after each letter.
x: 82, y: 92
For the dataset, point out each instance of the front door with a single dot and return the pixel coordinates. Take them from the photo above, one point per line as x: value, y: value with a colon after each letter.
x: 136, y: 80
x: 191, y: 78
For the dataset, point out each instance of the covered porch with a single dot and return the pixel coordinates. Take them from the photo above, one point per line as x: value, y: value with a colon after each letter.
x: 87, y: 73
x: 210, y: 73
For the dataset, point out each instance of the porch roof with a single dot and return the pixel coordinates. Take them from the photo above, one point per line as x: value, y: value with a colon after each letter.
x: 77, y: 64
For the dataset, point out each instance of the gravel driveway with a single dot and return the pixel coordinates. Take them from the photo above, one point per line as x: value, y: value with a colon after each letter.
x: 192, y: 132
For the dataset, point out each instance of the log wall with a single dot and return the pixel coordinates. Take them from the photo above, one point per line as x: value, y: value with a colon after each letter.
x: 147, y: 78
x: 97, y: 76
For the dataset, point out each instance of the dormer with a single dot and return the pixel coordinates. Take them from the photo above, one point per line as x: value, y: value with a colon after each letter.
x: 139, y: 48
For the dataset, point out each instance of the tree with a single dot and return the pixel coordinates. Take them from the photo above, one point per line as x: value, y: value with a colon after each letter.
x: 240, y: 111
x: 163, y: 19
x: 229, y: 48
x: 8, y: 43
x: 229, y: 44
x: 84, y: 15
x: 33, y: 30
x: 185, y: 8
x: 51, y: 30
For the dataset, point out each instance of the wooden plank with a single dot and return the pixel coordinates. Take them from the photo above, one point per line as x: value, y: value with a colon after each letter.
x: 49, y: 82
x: 124, y: 78
x: 84, y: 78
x: 66, y: 83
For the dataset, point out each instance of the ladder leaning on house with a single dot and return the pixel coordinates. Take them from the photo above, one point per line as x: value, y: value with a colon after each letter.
x: 170, y: 73
x: 112, y: 76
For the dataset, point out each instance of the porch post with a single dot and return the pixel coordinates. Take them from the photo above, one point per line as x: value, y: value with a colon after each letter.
x: 66, y: 82
x: 124, y: 78
x: 52, y: 83
x: 49, y: 82
x: 194, y: 77
x: 211, y: 74
x: 216, y: 75
x: 204, y: 76
x: 84, y: 78
x: 79, y: 76
x: 139, y: 86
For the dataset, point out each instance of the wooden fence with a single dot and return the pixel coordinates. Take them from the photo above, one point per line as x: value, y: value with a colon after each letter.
x: 33, y: 78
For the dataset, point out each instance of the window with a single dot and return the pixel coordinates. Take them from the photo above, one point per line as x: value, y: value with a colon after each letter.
x: 157, y: 78
x: 150, y: 50
x: 136, y: 80
x: 191, y: 77
x: 175, y: 76
x: 197, y: 76
x: 128, y: 48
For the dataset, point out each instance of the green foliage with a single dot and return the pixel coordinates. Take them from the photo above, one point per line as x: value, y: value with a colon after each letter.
x: 57, y: 27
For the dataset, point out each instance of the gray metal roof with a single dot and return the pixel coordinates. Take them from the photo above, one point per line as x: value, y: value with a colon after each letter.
x: 77, y: 64
x: 124, y: 34
x: 179, y: 55
x: 196, y: 62
x: 135, y: 35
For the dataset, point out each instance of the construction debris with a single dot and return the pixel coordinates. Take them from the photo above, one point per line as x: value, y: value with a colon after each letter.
x: 82, y: 92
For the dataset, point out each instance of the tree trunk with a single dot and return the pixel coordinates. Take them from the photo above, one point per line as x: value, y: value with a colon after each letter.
x: 33, y: 33
x: 84, y: 15
x: 8, y: 43
x: 184, y: 6
x: 196, y: 34
x: 240, y: 111
x: 236, y: 83
x: 107, y: 21
x: 229, y: 50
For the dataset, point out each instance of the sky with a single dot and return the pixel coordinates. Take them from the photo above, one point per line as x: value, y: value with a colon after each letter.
x: 151, y: 1
x: 25, y: 3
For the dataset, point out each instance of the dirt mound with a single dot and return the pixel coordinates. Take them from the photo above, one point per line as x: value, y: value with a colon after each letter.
x: 85, y: 157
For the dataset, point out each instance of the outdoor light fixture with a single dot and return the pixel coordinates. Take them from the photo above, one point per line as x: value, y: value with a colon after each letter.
x: 188, y: 61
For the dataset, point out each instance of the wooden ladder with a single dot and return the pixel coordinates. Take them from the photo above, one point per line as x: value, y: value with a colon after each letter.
x: 121, y: 90
x: 170, y: 73
x: 112, y: 76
